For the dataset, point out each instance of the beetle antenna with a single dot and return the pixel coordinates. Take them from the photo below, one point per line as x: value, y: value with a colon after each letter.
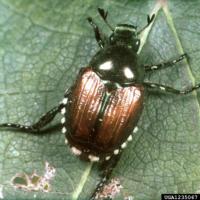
x: 104, y: 15
x: 149, y: 21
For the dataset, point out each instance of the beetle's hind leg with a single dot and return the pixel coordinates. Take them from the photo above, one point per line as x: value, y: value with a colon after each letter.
x: 164, y: 64
x: 106, y: 168
x: 42, y: 122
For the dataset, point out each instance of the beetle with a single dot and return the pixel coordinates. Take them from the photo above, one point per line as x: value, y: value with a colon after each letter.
x: 101, y: 110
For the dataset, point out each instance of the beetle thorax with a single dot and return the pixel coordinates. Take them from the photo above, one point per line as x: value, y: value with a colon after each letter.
x: 117, y: 64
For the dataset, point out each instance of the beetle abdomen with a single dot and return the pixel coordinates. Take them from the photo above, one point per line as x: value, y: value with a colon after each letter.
x: 100, y: 120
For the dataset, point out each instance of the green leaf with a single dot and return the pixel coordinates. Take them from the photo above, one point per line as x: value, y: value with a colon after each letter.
x: 43, y: 46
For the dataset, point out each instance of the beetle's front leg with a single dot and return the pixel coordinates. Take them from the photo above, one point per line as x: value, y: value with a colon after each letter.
x: 164, y: 64
x: 106, y: 168
x: 97, y: 33
x: 149, y: 21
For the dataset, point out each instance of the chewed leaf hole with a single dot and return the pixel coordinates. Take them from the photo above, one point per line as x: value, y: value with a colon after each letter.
x: 46, y: 187
x: 34, y: 182
x: 20, y: 179
x: 35, y: 179
x: 110, y: 190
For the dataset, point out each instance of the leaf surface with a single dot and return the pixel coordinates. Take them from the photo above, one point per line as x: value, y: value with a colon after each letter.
x: 43, y: 46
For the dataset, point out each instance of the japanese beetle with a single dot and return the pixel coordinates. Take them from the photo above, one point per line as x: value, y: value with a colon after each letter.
x: 101, y: 110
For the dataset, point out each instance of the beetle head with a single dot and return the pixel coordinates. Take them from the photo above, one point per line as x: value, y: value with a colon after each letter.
x: 125, y: 34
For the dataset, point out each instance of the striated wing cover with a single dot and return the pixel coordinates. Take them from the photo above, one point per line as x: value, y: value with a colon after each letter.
x: 86, y: 99
x: 121, y: 115
x: 100, y: 120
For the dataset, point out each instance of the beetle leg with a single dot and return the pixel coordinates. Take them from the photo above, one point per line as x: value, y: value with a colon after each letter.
x: 107, y: 168
x: 104, y: 15
x: 96, y: 32
x: 164, y: 64
x: 35, y: 128
x: 43, y: 121
x: 149, y: 21
x: 165, y: 88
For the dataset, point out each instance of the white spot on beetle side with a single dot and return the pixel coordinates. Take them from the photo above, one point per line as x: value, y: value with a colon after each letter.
x: 107, y: 157
x: 93, y: 158
x: 135, y: 130
x: 63, y: 111
x: 66, y: 141
x: 63, y: 120
x: 76, y: 151
x: 116, y: 151
x: 64, y: 101
x: 124, y: 145
x: 130, y: 138
x: 128, y: 73
x: 64, y: 130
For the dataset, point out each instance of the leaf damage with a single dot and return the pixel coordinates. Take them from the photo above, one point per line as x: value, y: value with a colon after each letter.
x: 110, y: 190
x: 34, y: 182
